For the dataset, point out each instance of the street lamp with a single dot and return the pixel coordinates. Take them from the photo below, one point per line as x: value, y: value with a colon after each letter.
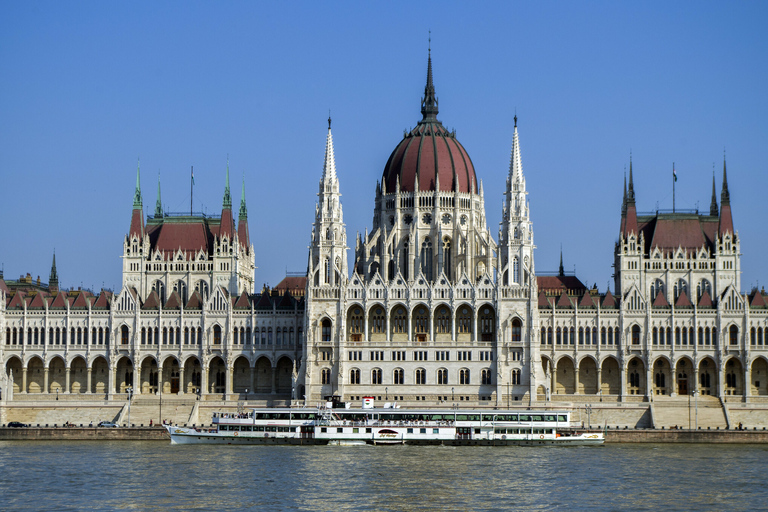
x: 386, y: 393
x: 452, y: 394
x: 588, y: 409
x: 57, y: 394
x: 129, y: 389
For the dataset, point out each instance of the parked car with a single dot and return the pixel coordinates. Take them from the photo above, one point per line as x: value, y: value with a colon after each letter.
x: 107, y: 424
x: 17, y: 424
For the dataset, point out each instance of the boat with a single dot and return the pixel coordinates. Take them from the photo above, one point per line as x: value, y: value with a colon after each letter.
x: 329, y: 424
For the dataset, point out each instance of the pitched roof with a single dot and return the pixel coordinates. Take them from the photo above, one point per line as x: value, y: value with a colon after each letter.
x: 564, y: 301
x: 3, y: 286
x: 543, y: 300
x: 609, y: 301
x: 80, y: 301
x: 758, y: 301
x: 587, y: 301
x: 683, y: 301
x: 103, y: 301
x: 152, y: 301
x: 59, y: 301
x: 705, y: 301
x: 264, y: 302
x: 195, y: 301
x: 296, y: 284
x: 174, y: 301
x: 38, y: 301
x: 670, y: 231
x: 17, y: 301
x: 242, y: 302
x: 660, y: 301
x: 555, y: 284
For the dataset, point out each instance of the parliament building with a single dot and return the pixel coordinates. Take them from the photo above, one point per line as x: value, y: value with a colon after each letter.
x: 427, y: 309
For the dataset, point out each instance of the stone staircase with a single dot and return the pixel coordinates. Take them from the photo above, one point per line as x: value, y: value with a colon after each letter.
x: 145, y: 408
x: 680, y: 412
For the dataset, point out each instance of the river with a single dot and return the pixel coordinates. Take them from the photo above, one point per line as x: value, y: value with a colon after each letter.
x: 153, y: 475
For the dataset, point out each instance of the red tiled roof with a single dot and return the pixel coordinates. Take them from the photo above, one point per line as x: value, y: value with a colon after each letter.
x: 17, y: 301
x: 152, y: 301
x: 683, y: 301
x: 103, y: 301
x: 609, y: 301
x: 543, y: 300
x: 564, y: 301
x: 292, y: 283
x: 242, y: 232
x: 137, y: 224
x: 587, y: 301
x: 174, y: 301
x: 629, y: 224
x: 726, y: 221
x: 38, y: 301
x: 660, y: 301
x: 227, y: 226
x: 195, y: 301
x: 174, y: 234
x: 80, y: 301
x: 758, y: 301
x: 705, y: 301
x: 264, y: 302
x: 242, y: 302
x: 556, y: 284
x: 3, y: 287
x: 59, y: 301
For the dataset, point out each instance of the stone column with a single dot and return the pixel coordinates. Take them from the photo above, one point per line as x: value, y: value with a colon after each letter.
x: 230, y: 375
x: 45, y: 381
x: 252, y: 387
x: 600, y: 381
x: 623, y: 381
x: 159, y: 381
x: 747, y: 384
x: 88, y: 380
x: 182, y: 384
x: 576, y: 379
x: 204, y: 381
x: 648, y: 382
x: 66, y: 379
x: 111, y: 381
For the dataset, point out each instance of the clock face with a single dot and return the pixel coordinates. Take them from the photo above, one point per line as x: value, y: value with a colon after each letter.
x: 427, y: 218
x: 446, y: 218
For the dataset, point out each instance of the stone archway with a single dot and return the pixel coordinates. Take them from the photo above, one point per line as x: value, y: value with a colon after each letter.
x: 708, y: 383
x: 636, y: 381
x: 13, y: 370
x: 662, y: 377
x: 284, y: 375
x: 241, y: 376
x: 192, y: 375
x: 99, y: 375
x: 734, y: 377
x: 684, y: 377
x: 148, y: 376
x: 36, y: 376
x: 587, y: 377
x: 56, y: 375
x: 217, y: 376
x: 124, y: 376
x: 610, y: 377
x: 565, y: 377
x: 759, y: 377
x: 171, y: 376
x: 263, y: 375
x: 78, y: 375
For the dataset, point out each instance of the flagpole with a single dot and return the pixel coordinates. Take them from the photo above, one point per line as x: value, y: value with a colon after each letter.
x: 674, y: 179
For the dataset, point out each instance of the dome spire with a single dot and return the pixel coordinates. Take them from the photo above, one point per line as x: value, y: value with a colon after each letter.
x: 429, y: 102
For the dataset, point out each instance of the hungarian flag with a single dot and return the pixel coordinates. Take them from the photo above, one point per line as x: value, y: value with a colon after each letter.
x: 674, y: 174
x: 193, y: 175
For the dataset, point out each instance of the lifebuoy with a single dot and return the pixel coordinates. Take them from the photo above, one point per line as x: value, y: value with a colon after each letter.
x: 541, y: 436
x: 503, y: 437
x: 236, y: 433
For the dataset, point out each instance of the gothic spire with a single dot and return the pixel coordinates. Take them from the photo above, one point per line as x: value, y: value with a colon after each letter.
x: 713, y: 205
x: 243, y: 213
x: 429, y: 102
x: 53, y: 280
x: 329, y: 164
x: 158, y: 204
x: 227, y: 196
x: 515, y: 162
x: 725, y: 196
x: 561, y: 271
x: 624, y: 201
x: 631, y: 189
x: 137, y: 203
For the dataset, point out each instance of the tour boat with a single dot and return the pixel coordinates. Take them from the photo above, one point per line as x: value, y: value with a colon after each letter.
x: 329, y: 425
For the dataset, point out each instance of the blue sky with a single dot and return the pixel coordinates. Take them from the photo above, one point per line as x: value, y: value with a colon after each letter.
x: 87, y: 88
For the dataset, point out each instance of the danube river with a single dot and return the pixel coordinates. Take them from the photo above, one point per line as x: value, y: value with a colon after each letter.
x: 153, y: 475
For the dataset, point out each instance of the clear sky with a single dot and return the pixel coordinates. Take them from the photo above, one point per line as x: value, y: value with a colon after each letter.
x: 87, y: 88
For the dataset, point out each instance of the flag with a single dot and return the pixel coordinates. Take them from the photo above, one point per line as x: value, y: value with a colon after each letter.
x: 674, y: 174
x: 193, y: 176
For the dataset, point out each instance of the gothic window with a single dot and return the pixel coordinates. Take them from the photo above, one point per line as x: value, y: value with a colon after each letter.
x: 378, y: 321
x: 442, y: 376
x: 443, y: 321
x: 421, y: 376
x: 354, y: 376
x: 426, y: 258
x: 655, y: 335
x: 680, y: 287
x: 656, y: 288
x: 355, y: 323
x: 733, y: 333
x: 399, y: 320
x: 515, y: 270
x: 635, y: 334
x: 327, y: 270
x: 390, y: 270
x: 464, y: 320
x: 159, y: 287
x: 516, y: 377
x: 202, y: 287
x: 404, y: 261
x: 398, y: 376
x: 421, y: 323
x: 447, y: 257
x: 123, y: 335
x: 325, y: 376
x: 181, y: 288
x: 549, y: 335
x: 487, y: 324
x: 216, y: 335
x: 376, y: 376
x: 464, y: 376
x: 485, y: 376
x: 326, y: 330
x: 543, y: 336
x: 559, y: 336
x: 517, y: 328
x: 702, y: 287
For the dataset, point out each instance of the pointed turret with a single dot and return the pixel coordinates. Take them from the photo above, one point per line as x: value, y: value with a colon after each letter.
x: 713, y: 210
x: 242, y: 220
x: 137, y: 216
x: 227, y: 221
x: 726, y: 221
x: 53, y: 280
x: 630, y: 220
x: 329, y: 163
x: 561, y: 270
x: 158, y: 204
x: 515, y: 162
x: 429, y: 102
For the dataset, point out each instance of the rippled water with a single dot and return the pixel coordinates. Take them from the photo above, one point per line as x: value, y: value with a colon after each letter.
x: 155, y: 475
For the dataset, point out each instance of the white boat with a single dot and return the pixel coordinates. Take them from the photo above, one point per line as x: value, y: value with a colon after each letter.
x: 383, y: 426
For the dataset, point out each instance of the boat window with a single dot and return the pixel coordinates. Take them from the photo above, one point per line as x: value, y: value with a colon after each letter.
x: 367, y: 430
x: 339, y: 430
x: 355, y: 430
x: 435, y: 430
x: 410, y: 431
x: 258, y: 429
x: 477, y: 431
x: 323, y: 430
x: 490, y: 417
x: 422, y: 431
x: 549, y: 418
x: 271, y: 429
x: 245, y: 429
x: 525, y: 417
x: 536, y: 418
x: 562, y: 418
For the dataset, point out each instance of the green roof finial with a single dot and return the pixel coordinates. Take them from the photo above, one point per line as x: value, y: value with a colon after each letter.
x: 137, y: 203
x: 159, y: 204
x: 227, y: 196
x: 243, y: 214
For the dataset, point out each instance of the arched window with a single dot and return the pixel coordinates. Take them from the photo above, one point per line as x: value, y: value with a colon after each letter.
x: 464, y: 376
x: 327, y: 270
x: 443, y: 321
x: 378, y: 320
x: 657, y: 288
x: 516, y: 377
x: 442, y: 376
x: 421, y: 323
x: 702, y: 287
x: 181, y: 288
x: 354, y: 376
x: 426, y: 258
x: 398, y: 376
x: 216, y: 335
x: 733, y: 335
x: 404, y: 260
x: 515, y: 270
x: 517, y: 329
x: 487, y: 324
x: 376, y: 376
x: 447, y: 257
x: 124, y: 335
x: 421, y: 376
x: 326, y: 326
x: 202, y: 287
x: 399, y: 321
x: 635, y: 334
x: 486, y: 376
x: 325, y: 376
x: 464, y: 320
x: 159, y: 287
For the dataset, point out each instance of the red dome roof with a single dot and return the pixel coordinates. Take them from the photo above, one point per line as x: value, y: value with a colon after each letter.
x: 430, y: 150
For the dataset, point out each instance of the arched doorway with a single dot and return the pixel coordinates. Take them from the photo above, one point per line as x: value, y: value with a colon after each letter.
x: 284, y: 375
x: 734, y: 377
x: 565, y: 377
x: 99, y: 375
x: 759, y: 377
x: 56, y: 376
x: 263, y: 375
x: 192, y: 376
x: 684, y: 377
x: 171, y: 375
x: 610, y: 378
x: 124, y: 377
x: 587, y: 376
x: 13, y: 371
x: 636, y: 384
x: 78, y: 376
x: 148, y: 376
x: 217, y: 376
x: 241, y: 376
x: 662, y: 377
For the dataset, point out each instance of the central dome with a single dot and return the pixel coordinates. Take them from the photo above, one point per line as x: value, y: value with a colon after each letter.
x: 431, y: 153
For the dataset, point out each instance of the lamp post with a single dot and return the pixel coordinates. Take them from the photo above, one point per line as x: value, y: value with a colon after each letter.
x: 452, y: 394
x: 129, y: 389
x: 588, y: 409
x: 57, y: 394
x: 386, y: 393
